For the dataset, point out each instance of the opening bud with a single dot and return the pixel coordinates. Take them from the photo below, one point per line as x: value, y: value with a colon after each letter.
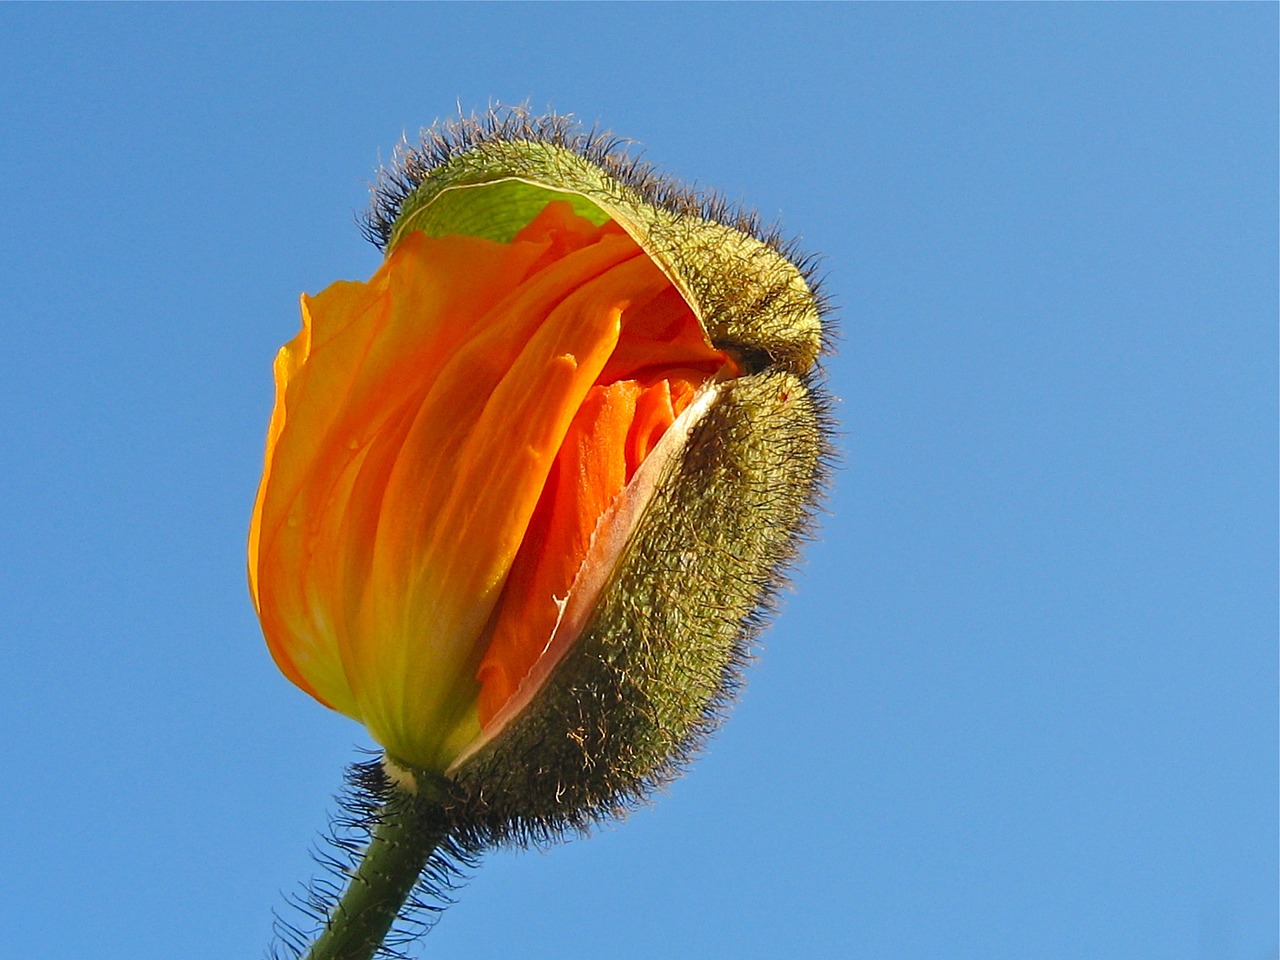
x: 529, y: 490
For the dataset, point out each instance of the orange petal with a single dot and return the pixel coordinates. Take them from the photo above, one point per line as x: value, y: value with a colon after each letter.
x: 342, y: 386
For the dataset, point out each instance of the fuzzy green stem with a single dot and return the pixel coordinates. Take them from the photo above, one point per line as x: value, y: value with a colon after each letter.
x: 410, y: 829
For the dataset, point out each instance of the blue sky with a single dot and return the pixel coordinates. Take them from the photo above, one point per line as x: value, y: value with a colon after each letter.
x: 1022, y: 702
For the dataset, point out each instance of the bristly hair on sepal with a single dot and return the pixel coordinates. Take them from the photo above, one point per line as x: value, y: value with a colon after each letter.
x: 412, y: 164
x: 366, y: 793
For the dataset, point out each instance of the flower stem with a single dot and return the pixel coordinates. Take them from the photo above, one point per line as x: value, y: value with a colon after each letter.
x: 409, y: 830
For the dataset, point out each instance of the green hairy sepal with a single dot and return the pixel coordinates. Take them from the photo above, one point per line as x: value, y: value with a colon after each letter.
x: 650, y: 676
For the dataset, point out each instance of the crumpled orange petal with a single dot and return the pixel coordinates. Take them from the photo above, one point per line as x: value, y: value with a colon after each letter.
x: 444, y: 441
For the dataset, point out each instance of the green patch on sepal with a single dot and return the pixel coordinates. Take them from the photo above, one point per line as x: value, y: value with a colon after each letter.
x: 495, y: 210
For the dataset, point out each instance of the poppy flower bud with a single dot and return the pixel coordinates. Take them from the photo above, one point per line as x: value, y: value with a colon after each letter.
x: 529, y: 490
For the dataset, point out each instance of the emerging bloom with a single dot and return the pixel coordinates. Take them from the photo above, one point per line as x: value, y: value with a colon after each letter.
x: 445, y: 442
x: 528, y: 491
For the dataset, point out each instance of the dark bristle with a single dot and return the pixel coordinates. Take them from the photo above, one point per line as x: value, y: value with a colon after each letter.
x: 361, y: 803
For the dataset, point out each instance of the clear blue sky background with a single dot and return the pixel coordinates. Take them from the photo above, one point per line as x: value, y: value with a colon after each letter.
x: 1022, y: 703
